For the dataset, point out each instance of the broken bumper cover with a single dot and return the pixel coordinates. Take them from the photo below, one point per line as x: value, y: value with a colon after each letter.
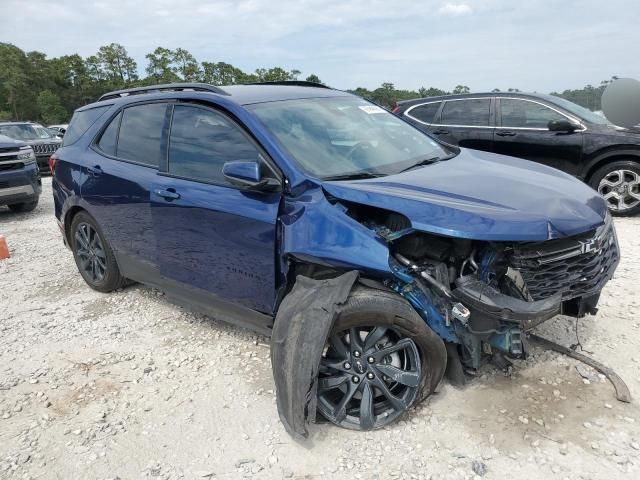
x: 489, y: 307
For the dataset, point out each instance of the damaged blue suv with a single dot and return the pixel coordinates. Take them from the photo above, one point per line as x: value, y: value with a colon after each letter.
x: 374, y: 256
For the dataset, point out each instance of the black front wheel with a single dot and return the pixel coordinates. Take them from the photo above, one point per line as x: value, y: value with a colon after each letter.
x: 93, y: 255
x: 380, y: 360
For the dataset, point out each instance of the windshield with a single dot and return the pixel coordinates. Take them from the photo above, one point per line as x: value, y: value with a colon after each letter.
x: 25, y: 131
x: 583, y: 113
x: 342, y: 136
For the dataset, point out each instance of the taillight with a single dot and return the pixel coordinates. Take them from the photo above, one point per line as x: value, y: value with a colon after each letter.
x: 395, y: 109
x: 52, y: 162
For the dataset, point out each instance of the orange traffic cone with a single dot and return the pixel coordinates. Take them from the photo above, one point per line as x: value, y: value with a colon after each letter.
x: 4, y: 248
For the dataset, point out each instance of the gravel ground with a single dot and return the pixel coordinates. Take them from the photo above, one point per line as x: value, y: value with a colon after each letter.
x: 127, y: 385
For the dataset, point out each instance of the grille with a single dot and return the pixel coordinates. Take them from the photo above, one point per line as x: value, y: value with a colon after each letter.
x: 10, y: 166
x: 45, y: 148
x: 8, y: 149
x: 576, y: 266
x: 4, y: 184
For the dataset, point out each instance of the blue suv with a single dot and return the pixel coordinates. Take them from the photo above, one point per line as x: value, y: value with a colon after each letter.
x: 374, y: 256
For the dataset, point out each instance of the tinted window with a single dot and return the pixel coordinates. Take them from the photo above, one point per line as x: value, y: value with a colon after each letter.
x: 425, y: 113
x: 80, y: 123
x: 201, y: 141
x: 523, y: 114
x: 109, y: 137
x: 140, y: 138
x: 474, y: 112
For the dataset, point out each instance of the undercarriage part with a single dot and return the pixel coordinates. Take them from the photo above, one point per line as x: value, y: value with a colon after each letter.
x: 622, y: 391
x: 300, y: 330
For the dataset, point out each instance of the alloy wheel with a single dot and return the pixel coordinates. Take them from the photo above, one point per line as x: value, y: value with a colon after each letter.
x: 620, y: 189
x: 369, y: 376
x: 92, y: 259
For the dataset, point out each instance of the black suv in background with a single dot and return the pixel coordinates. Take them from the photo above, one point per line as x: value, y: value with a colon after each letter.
x: 43, y: 141
x: 542, y: 128
x: 20, y: 183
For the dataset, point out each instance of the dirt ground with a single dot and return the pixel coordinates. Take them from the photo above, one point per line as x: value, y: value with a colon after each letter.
x: 127, y: 385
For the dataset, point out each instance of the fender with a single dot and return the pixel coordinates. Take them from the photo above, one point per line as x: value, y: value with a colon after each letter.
x: 603, y: 157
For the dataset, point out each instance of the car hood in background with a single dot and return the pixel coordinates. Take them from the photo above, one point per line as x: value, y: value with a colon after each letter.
x: 483, y: 196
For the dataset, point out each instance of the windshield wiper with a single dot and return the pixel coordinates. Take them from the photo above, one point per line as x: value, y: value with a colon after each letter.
x: 354, y: 176
x: 426, y: 161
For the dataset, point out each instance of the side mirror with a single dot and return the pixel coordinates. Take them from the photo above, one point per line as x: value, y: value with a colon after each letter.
x: 562, y: 126
x: 248, y: 175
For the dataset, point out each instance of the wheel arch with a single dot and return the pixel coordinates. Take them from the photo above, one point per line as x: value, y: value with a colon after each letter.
x: 607, y: 157
x: 68, y: 219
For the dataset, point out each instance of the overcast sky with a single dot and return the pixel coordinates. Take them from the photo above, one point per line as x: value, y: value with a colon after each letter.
x: 539, y: 45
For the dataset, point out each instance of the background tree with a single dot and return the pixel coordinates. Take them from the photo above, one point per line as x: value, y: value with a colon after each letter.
x: 51, y: 111
x: 313, y: 78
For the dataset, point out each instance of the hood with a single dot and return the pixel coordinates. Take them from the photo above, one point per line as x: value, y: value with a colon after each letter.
x: 8, y: 142
x: 45, y: 141
x: 483, y: 196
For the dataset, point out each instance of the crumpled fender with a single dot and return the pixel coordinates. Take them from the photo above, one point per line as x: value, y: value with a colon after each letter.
x: 302, y: 325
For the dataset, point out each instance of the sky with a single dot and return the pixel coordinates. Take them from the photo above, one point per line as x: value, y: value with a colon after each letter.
x: 533, y: 45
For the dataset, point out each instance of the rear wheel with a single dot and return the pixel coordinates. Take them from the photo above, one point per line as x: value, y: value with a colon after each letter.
x: 619, y: 184
x: 24, y: 207
x: 381, y: 358
x: 93, y: 255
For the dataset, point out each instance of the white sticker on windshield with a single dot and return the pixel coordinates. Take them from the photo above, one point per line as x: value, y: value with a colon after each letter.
x: 371, y: 109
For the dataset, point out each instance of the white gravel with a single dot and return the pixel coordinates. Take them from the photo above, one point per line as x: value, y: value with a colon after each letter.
x: 127, y: 385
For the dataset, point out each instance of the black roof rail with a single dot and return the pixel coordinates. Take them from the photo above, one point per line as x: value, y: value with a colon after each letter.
x: 198, y: 87
x: 294, y: 83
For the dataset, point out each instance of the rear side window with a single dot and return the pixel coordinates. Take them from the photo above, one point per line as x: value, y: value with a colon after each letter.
x: 472, y: 112
x: 425, y: 113
x: 201, y: 141
x: 140, y: 138
x: 80, y: 123
x: 109, y: 138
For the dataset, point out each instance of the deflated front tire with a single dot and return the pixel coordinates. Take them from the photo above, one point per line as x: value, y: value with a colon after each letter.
x: 380, y: 360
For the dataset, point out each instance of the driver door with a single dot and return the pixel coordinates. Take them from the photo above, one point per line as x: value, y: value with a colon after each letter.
x: 212, y: 237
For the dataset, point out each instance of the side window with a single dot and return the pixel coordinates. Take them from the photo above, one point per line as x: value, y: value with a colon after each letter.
x: 109, y: 137
x: 426, y: 112
x: 202, y: 140
x: 140, y: 138
x: 472, y: 112
x: 525, y: 114
x: 80, y: 123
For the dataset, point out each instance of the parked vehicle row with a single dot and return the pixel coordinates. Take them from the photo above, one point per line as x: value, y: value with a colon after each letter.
x: 541, y: 128
x: 20, y: 183
x: 393, y: 253
x: 42, y: 140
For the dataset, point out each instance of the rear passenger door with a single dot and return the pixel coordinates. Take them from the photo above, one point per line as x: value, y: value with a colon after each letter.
x: 466, y: 122
x: 119, y: 172
x: 213, y: 238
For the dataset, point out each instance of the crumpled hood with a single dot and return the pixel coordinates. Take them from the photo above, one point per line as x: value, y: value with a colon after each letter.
x: 483, y: 196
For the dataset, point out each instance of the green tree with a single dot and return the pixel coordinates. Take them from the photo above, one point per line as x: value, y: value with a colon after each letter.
x: 51, y: 111
x: 160, y: 68
x: 313, y: 78
x: 117, y: 65
x: 461, y: 89
x: 186, y: 65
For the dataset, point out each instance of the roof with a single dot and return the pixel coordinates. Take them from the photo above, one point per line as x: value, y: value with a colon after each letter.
x: 549, y: 98
x: 241, y: 94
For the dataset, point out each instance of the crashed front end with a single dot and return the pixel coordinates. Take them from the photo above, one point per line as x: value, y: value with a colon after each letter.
x: 483, y: 295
